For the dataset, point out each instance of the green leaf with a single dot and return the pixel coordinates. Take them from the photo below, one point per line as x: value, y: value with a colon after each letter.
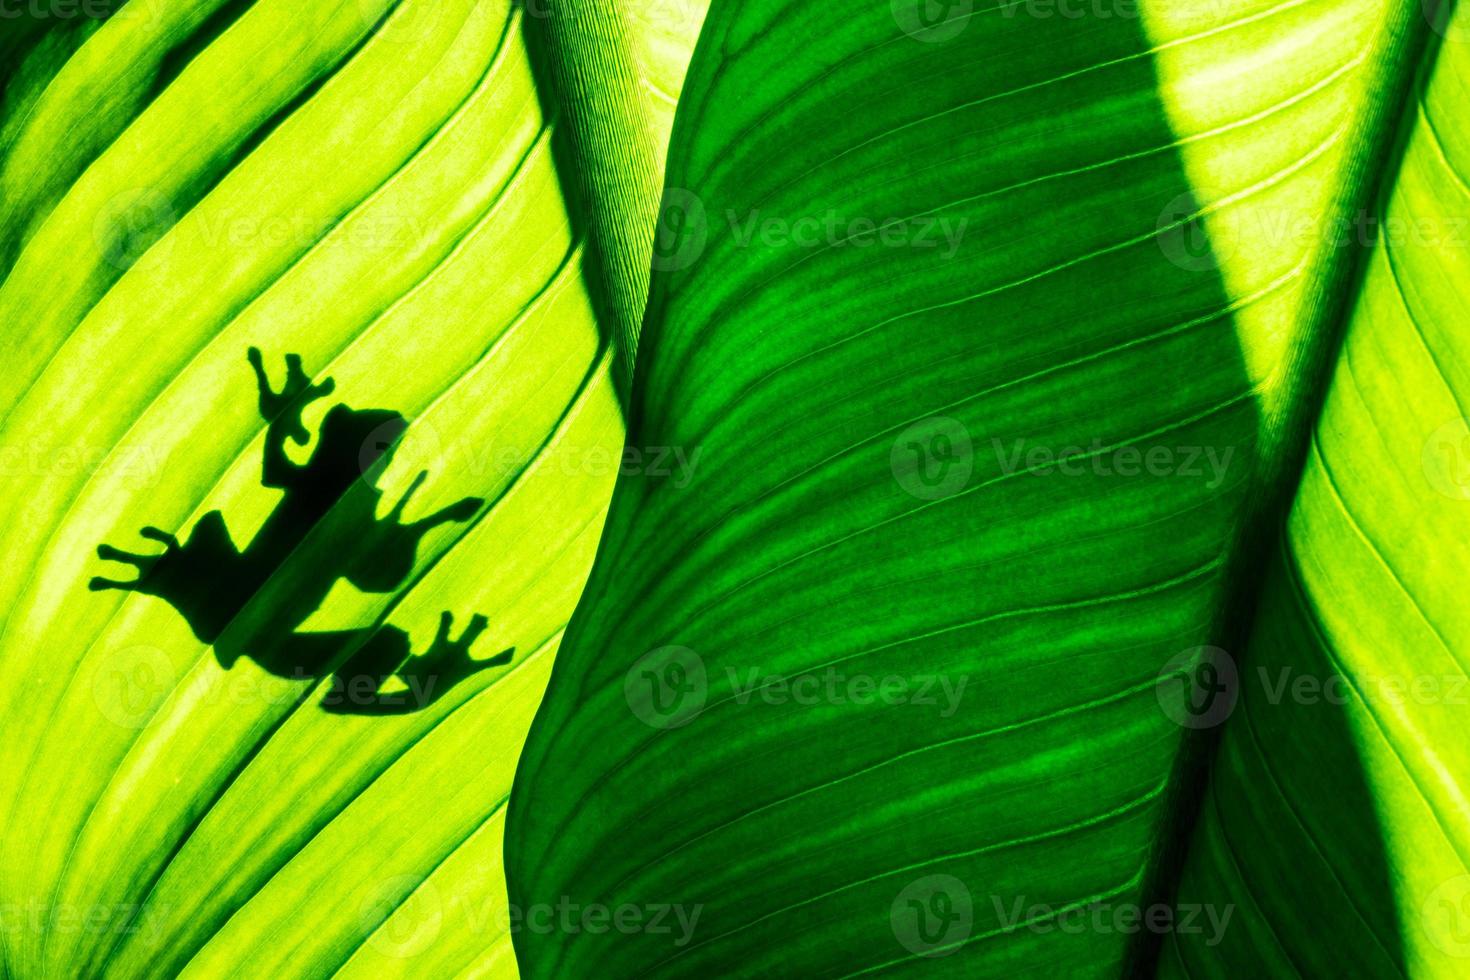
x: 897, y: 682
x: 986, y: 347
x: 391, y: 192
x: 1335, y: 819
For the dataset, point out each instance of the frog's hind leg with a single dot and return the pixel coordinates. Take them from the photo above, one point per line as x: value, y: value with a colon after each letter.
x: 449, y: 661
x: 357, y: 685
x: 144, y: 563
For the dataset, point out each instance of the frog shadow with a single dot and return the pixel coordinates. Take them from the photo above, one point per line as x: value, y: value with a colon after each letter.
x: 253, y: 603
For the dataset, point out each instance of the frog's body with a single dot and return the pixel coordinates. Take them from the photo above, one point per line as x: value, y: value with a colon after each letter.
x: 252, y: 602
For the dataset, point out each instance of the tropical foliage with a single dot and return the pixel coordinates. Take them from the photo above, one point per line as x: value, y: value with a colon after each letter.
x: 941, y: 488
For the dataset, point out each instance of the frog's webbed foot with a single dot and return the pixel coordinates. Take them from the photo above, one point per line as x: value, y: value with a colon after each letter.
x: 144, y: 563
x: 451, y: 659
x: 284, y: 407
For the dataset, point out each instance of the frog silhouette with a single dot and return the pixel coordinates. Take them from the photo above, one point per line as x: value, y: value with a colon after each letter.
x: 252, y: 602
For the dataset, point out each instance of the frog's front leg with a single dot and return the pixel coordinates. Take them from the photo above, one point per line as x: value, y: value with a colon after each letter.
x: 282, y: 409
x: 144, y: 563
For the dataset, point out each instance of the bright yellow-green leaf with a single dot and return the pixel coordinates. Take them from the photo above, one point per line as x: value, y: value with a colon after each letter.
x: 1336, y: 820
x: 390, y: 192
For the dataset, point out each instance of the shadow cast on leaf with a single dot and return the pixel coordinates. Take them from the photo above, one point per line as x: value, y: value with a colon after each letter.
x: 211, y: 582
